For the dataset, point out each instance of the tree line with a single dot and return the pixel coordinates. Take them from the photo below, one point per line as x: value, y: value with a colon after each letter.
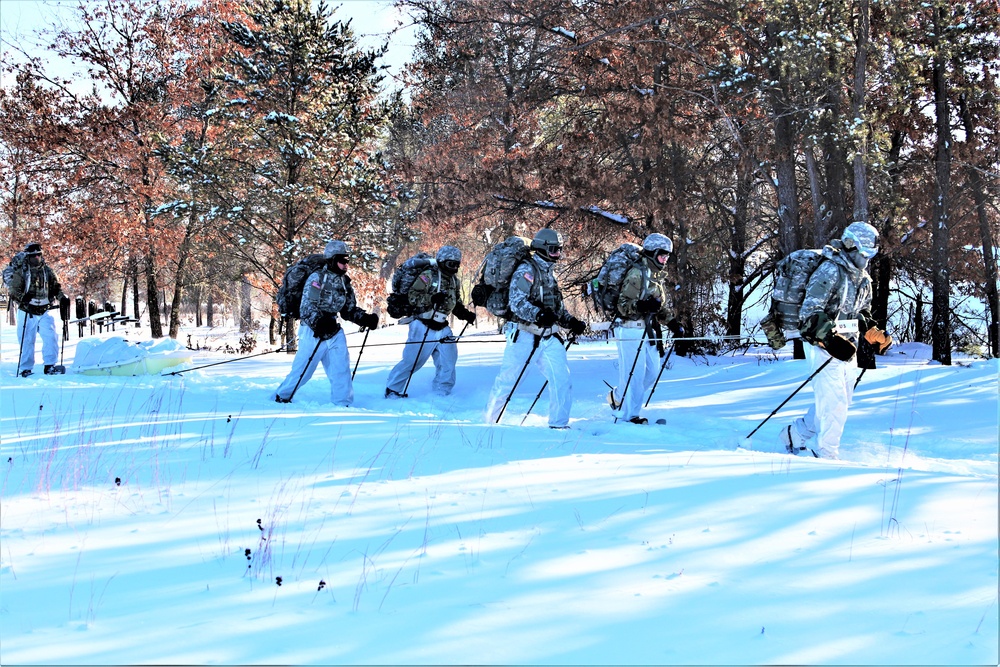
x: 200, y: 148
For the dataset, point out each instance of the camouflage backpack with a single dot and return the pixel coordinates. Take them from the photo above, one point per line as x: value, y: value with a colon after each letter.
x: 791, y: 275
x: 289, y: 296
x: 17, y: 263
x: 607, y: 286
x: 493, y: 288
x: 398, y: 303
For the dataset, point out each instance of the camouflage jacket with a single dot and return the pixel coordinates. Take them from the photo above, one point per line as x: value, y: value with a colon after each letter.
x: 533, y: 287
x: 428, y: 283
x: 34, y: 288
x: 837, y: 287
x: 329, y: 292
x: 641, y: 280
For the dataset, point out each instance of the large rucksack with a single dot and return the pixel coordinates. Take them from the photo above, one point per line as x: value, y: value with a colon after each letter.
x: 398, y: 303
x: 791, y: 275
x: 289, y: 296
x: 492, y: 291
x: 17, y: 264
x: 607, y: 286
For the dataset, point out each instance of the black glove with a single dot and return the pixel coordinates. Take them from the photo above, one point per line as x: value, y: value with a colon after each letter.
x: 546, y: 318
x: 438, y: 300
x: 866, y: 354
x: 576, y: 327
x: 325, y: 326
x: 368, y: 321
x: 839, y: 347
x: 676, y: 328
x: 397, y: 305
x: 647, y: 305
x: 463, y: 313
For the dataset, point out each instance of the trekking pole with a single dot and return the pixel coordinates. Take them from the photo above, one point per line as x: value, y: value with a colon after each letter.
x: 360, y: 352
x: 634, y: 362
x: 659, y: 375
x: 534, y: 347
x: 416, y: 360
x: 860, y: 375
x: 544, y: 385
x: 20, y: 352
x: 319, y: 342
x: 773, y: 412
x: 227, y: 361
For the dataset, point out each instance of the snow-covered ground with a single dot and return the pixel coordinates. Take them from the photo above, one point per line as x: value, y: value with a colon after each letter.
x: 148, y: 519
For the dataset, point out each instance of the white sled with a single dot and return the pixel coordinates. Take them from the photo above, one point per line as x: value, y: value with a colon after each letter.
x: 117, y: 356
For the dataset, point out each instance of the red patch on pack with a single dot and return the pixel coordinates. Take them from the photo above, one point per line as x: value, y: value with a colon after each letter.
x: 529, y: 277
x: 424, y: 278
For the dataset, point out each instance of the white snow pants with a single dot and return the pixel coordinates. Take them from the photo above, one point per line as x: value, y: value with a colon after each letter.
x: 416, y: 355
x: 28, y: 326
x: 336, y: 362
x: 647, y: 367
x: 833, y: 388
x: 549, y: 358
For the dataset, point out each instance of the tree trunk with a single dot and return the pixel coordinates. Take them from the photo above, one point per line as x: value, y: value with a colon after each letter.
x: 152, y: 297
x: 180, y: 277
x: 737, y: 246
x: 940, y: 232
x: 246, y: 312
x: 985, y: 231
x: 789, y: 235
x: 861, y: 206
x: 210, y: 309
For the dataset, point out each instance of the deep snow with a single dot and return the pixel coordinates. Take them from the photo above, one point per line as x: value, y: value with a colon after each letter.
x: 147, y: 519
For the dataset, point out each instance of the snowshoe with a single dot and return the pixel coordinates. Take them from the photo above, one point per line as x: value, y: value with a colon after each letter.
x: 389, y: 393
x: 279, y: 399
x: 25, y: 374
x: 638, y: 420
x: 55, y: 369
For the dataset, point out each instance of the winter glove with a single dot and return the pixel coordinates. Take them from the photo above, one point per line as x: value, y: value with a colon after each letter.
x: 438, y: 300
x: 368, y: 321
x: 481, y: 294
x: 546, y: 318
x: 647, y: 305
x: 463, y: 313
x: 879, y: 339
x: 575, y: 326
x: 325, y: 326
x: 839, y: 347
x: 676, y: 328
x: 866, y: 355
x: 397, y: 305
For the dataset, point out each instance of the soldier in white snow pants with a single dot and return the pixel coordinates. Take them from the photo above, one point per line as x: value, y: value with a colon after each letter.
x: 445, y: 357
x: 30, y: 326
x: 647, y: 367
x: 549, y: 358
x: 333, y: 354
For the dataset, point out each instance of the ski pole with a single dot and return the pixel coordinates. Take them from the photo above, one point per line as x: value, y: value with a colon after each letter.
x: 534, y: 346
x: 860, y: 375
x: 416, y: 360
x: 659, y: 375
x: 638, y: 351
x: 544, y: 385
x: 227, y: 361
x: 319, y: 341
x: 20, y: 352
x: 358, y: 361
x: 773, y: 412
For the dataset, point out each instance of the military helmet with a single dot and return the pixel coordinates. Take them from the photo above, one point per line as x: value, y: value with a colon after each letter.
x: 655, y: 243
x: 33, y: 249
x: 548, y: 243
x: 862, y: 237
x: 449, y: 258
x: 335, y: 248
